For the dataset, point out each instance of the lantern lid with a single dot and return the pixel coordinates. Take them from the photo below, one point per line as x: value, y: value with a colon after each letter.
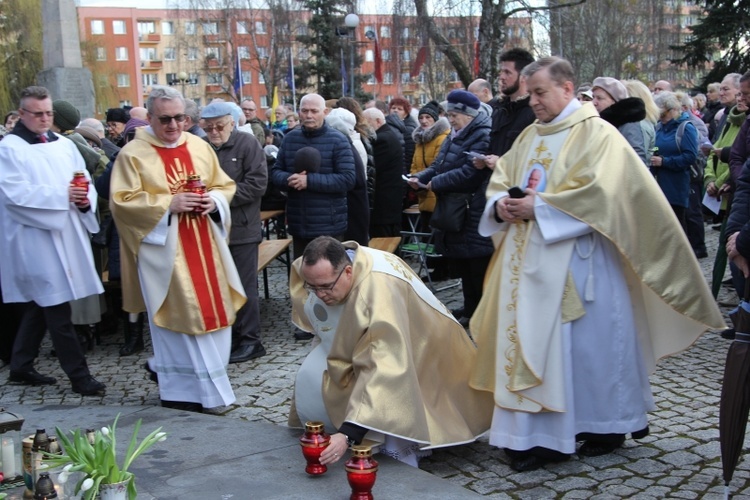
x: 10, y: 421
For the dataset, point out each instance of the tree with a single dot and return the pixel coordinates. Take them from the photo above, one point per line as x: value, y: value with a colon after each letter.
x: 20, y: 49
x: 719, y: 37
x: 491, y: 33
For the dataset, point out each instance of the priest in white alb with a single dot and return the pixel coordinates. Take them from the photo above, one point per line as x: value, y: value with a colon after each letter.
x: 592, y: 282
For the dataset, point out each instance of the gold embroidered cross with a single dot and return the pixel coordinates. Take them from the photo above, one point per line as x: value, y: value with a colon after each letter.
x: 541, y: 148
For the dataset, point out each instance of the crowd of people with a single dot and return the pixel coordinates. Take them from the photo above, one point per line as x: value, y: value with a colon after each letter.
x: 552, y: 203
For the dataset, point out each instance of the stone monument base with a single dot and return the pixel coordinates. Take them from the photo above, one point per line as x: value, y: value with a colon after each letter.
x: 74, y: 85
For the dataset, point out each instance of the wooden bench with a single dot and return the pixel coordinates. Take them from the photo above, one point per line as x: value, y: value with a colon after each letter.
x: 386, y: 244
x: 268, y: 251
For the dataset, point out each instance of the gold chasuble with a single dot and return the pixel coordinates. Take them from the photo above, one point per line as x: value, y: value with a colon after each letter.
x: 192, y: 282
x: 399, y: 362
x: 529, y: 292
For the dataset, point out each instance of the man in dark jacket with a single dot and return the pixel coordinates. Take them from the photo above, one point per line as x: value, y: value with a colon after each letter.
x: 242, y: 158
x: 317, y: 203
x: 512, y: 114
x: 388, y: 153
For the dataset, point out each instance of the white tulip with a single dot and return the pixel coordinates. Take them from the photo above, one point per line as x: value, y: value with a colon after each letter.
x: 161, y: 436
x: 105, y: 431
x: 87, y: 484
x: 68, y: 467
x: 62, y: 478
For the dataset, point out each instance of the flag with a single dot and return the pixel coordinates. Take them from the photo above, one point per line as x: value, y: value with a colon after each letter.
x: 290, y: 75
x: 476, y: 59
x: 274, y: 104
x: 237, y: 84
x: 419, y: 61
x: 378, y: 62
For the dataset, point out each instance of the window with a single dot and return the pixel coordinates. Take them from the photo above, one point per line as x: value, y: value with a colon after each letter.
x: 262, y: 52
x: 123, y: 80
x: 405, y: 77
x: 303, y: 53
x: 190, y: 28
x: 118, y: 28
x: 369, y: 55
x: 422, y: 99
x: 125, y: 102
x: 260, y: 27
x: 214, y: 79
x: 406, y: 55
x: 167, y: 28
x: 385, y: 32
x: 453, y: 76
x: 302, y: 30
x: 211, y: 28
x: 242, y: 27
x: 170, y: 54
x: 439, y: 77
x: 405, y: 32
x: 148, y: 54
x: 371, y: 80
x: 146, y: 28
x: 101, y: 53
x: 438, y: 55
x: 388, y: 79
x: 386, y: 55
x: 121, y: 54
x: 264, y: 101
x: 213, y: 53
x: 247, y: 77
x: 193, y: 78
x: 261, y: 78
x: 244, y: 52
x: 422, y: 78
x: 192, y: 54
x: 149, y: 79
x: 172, y: 79
x: 97, y: 27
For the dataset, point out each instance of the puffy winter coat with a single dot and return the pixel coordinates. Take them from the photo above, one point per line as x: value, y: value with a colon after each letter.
x: 427, y: 146
x: 453, y: 172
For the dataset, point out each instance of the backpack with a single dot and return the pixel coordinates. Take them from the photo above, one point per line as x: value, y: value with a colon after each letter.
x: 697, y: 168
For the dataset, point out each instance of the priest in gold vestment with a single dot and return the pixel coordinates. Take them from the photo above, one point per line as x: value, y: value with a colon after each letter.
x: 176, y: 263
x: 390, y: 363
x: 592, y: 282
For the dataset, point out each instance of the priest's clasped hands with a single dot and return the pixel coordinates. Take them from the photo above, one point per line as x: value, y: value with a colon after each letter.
x: 187, y: 202
x: 516, y: 209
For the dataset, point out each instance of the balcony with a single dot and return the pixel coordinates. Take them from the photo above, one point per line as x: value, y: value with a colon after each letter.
x: 153, y: 65
x: 213, y: 62
x: 211, y: 39
x: 214, y: 89
x: 150, y: 38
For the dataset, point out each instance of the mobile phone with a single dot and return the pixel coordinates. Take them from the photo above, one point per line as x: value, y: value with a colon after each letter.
x: 516, y: 192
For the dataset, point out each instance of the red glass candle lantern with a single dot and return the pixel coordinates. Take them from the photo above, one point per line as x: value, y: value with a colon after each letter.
x: 361, y: 472
x: 313, y: 442
x: 194, y: 184
x: 80, y: 180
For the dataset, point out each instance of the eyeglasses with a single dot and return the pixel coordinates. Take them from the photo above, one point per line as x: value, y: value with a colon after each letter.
x: 40, y: 114
x: 248, y: 109
x: 166, y: 120
x: 219, y: 127
x: 324, y: 288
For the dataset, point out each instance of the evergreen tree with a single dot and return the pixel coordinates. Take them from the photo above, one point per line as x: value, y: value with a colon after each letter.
x: 20, y: 49
x: 721, y: 36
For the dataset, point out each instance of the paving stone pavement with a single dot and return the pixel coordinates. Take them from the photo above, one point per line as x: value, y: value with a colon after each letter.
x: 679, y: 459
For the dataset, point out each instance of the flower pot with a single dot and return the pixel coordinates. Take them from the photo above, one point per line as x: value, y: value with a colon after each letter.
x: 114, y: 491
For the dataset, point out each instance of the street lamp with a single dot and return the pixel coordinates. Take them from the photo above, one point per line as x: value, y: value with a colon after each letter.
x: 182, y: 77
x: 351, y: 21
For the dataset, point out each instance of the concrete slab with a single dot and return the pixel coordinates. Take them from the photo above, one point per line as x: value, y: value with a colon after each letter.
x: 210, y: 457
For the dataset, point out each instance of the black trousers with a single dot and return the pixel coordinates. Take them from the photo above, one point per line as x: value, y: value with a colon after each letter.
x: 471, y: 272
x: 696, y: 231
x: 10, y: 318
x: 246, y: 328
x: 56, y: 319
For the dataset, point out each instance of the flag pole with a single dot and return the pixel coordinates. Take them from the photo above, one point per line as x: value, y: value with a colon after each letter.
x: 294, y: 85
x: 239, y: 73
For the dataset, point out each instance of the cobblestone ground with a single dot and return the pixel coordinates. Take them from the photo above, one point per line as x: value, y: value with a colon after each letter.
x: 679, y: 459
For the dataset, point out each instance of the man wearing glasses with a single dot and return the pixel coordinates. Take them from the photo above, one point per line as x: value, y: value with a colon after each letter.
x: 390, y: 364
x: 242, y: 158
x: 46, y: 256
x: 252, y: 122
x: 174, y: 258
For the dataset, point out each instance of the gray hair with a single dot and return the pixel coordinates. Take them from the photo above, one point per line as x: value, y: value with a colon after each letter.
x: 715, y: 87
x: 162, y: 92
x: 34, y: 92
x: 374, y: 114
x: 685, y: 100
x: 318, y: 99
x: 192, y: 110
x: 95, y: 125
x: 734, y: 78
x: 560, y: 70
x: 668, y: 101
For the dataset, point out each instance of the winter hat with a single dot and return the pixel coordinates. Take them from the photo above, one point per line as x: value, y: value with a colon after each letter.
x: 461, y: 101
x: 67, y: 117
x: 307, y: 159
x: 611, y: 86
x: 217, y: 109
x: 342, y: 120
x: 89, y: 134
x: 118, y: 115
x: 432, y: 108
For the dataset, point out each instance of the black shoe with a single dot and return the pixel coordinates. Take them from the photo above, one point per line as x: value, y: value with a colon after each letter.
x: 133, y: 337
x: 247, y: 352
x: 701, y: 254
x: 152, y: 375
x: 594, y: 448
x: 458, y: 313
x: 528, y: 463
x: 728, y: 334
x: 88, y: 386
x: 300, y: 335
x: 182, y: 405
x: 31, y: 377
